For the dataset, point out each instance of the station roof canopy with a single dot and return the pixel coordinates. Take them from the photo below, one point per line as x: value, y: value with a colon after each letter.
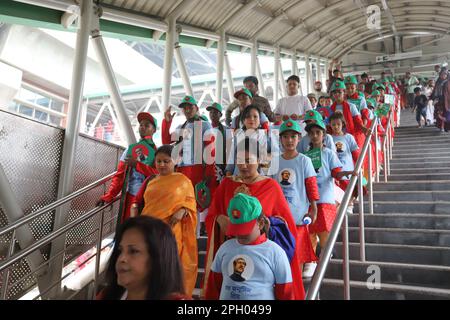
x: 321, y: 28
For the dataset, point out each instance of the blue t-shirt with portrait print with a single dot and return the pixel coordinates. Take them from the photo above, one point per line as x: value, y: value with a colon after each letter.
x: 325, y: 181
x: 303, y: 146
x: 250, y: 272
x: 291, y: 177
x: 345, y: 145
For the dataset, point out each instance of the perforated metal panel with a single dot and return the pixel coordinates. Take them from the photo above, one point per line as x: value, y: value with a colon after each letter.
x: 95, y: 159
x: 30, y: 154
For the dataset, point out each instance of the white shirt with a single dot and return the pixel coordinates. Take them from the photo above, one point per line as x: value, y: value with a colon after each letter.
x: 293, y: 105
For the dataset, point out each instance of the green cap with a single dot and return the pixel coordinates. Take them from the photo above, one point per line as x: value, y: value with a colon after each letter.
x: 313, y: 115
x: 371, y: 102
x: 243, y: 210
x: 379, y: 85
x: 319, y: 124
x: 351, y: 79
x: 338, y: 84
x: 187, y: 100
x: 385, y: 80
x: 243, y: 91
x: 376, y: 93
x: 290, y: 125
x: 216, y: 106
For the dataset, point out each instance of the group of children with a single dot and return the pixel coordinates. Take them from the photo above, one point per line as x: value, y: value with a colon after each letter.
x: 318, y: 150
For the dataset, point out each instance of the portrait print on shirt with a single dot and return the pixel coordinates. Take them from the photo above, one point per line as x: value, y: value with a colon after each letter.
x: 241, y: 268
x: 286, y: 177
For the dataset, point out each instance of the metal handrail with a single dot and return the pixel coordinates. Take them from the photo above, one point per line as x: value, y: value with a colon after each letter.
x: 53, y: 235
x: 24, y: 277
x: 341, y: 218
x: 54, y: 205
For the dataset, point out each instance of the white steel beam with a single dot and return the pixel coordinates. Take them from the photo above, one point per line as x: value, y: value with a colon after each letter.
x: 220, y: 65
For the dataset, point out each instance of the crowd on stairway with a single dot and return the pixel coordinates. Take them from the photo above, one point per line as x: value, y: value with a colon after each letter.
x: 263, y: 186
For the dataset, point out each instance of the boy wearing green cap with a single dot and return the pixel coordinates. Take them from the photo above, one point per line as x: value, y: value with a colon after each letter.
x: 297, y: 178
x: 353, y: 96
x: 194, y: 136
x: 249, y: 267
x: 311, y: 117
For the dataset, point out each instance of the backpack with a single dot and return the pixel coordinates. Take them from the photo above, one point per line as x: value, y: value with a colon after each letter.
x: 278, y: 231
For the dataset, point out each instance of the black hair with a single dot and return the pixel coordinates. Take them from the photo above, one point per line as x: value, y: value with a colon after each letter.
x: 293, y: 77
x: 336, y: 70
x: 244, y: 145
x: 165, y: 149
x: 251, y: 79
x: 417, y: 89
x: 166, y: 275
x: 338, y: 116
x: 246, y: 113
x: 364, y: 75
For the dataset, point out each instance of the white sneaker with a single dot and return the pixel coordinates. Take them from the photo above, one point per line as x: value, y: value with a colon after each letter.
x: 308, y: 270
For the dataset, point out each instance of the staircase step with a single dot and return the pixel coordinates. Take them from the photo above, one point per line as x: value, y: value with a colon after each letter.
x: 394, y: 273
x: 438, y: 207
x: 399, y: 146
x: 409, y: 170
x: 443, y: 195
x: 200, y: 275
x: 333, y: 289
x: 414, y: 153
x: 403, y: 220
x: 418, y: 158
x: 421, y: 237
x: 201, y: 259
x: 438, y: 137
x: 399, y: 253
x: 431, y: 185
x: 418, y: 165
x: 419, y: 176
x: 201, y: 243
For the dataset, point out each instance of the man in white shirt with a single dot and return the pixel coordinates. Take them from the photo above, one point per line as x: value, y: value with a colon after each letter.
x: 293, y: 106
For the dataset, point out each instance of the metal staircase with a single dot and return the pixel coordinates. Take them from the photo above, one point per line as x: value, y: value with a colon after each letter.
x: 408, y: 237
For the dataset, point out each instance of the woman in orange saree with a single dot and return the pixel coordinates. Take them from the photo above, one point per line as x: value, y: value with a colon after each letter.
x: 170, y: 197
x: 271, y: 197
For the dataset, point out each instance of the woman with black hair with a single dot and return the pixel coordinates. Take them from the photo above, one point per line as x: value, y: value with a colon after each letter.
x: 144, y: 264
x: 170, y: 197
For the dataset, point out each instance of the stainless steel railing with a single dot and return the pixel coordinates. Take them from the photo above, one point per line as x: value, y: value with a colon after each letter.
x: 12, y: 259
x: 341, y: 220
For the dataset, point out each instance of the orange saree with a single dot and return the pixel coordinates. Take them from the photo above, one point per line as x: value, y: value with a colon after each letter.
x: 164, y: 196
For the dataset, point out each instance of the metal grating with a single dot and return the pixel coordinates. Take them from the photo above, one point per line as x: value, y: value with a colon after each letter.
x: 31, y: 163
x: 95, y: 159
